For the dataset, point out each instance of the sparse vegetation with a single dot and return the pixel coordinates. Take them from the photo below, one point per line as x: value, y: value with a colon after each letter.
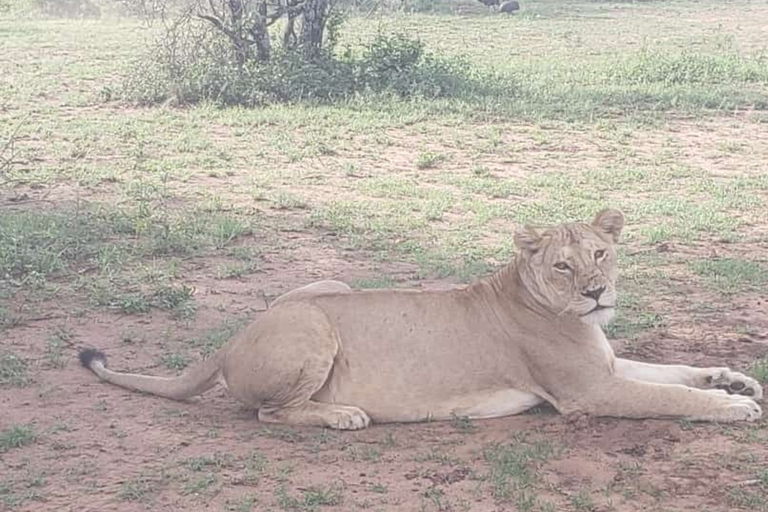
x: 13, y: 370
x: 17, y: 436
x: 513, y: 470
x: 404, y: 154
x: 312, y: 498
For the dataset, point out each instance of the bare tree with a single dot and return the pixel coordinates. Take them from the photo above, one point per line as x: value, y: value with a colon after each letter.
x: 245, y: 23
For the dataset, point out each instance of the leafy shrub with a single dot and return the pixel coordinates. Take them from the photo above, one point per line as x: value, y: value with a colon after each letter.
x: 200, y: 65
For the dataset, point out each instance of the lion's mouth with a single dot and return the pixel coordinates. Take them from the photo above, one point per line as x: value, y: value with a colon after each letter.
x: 598, y: 307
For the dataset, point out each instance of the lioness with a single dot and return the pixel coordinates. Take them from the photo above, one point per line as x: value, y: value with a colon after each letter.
x: 329, y: 356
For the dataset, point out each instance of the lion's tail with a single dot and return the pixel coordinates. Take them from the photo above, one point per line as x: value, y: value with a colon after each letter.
x: 196, y: 380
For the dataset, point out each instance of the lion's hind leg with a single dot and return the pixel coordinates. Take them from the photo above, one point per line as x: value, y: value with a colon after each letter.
x: 342, y: 417
x: 283, y: 362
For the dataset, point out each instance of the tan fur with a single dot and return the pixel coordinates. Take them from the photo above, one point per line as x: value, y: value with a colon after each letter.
x: 326, y: 355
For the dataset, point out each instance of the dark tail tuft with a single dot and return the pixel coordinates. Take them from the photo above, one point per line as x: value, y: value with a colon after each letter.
x: 89, y: 355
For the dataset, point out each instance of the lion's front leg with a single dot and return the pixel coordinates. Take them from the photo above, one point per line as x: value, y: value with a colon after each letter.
x: 629, y: 398
x: 701, y: 378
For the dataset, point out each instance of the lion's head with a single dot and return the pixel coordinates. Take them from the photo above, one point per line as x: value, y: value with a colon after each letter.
x: 571, y: 269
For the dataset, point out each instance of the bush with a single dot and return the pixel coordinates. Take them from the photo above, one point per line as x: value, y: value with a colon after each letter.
x: 200, y: 66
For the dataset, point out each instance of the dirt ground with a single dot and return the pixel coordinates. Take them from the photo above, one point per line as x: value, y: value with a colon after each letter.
x: 374, y: 197
x: 98, y: 447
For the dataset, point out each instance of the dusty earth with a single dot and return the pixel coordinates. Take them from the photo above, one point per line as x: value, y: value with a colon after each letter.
x: 98, y: 447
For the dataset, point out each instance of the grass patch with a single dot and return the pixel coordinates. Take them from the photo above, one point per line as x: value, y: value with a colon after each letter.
x: 13, y: 370
x: 463, y: 424
x: 137, y: 489
x: 311, y: 498
x: 214, y: 339
x: 17, y: 436
x: 689, y: 66
x: 759, y: 369
x: 513, y: 469
x: 54, y: 348
x: 754, y: 497
x: 731, y: 275
x: 175, y: 362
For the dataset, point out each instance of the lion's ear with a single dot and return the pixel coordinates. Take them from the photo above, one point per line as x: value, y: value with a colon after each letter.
x: 527, y: 238
x: 609, y: 222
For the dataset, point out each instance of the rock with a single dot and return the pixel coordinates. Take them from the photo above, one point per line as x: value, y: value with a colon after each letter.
x: 509, y: 7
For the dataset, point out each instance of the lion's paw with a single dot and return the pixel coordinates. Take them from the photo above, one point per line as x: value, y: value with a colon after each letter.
x: 735, y: 383
x: 735, y: 408
x: 348, y: 418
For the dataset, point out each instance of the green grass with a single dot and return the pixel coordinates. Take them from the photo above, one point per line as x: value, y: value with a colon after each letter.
x: 213, y: 339
x: 759, y: 369
x: 311, y: 498
x: 731, y: 275
x: 176, y: 362
x: 16, y: 437
x: 169, y: 213
x: 513, y: 468
x: 54, y: 348
x: 14, y: 371
x: 137, y: 489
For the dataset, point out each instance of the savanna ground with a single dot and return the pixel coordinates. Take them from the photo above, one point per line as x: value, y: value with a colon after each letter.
x: 154, y: 233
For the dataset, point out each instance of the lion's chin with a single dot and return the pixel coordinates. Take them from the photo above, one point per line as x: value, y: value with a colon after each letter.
x: 598, y: 317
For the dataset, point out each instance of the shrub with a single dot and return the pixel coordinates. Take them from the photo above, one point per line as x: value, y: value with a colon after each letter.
x: 200, y: 66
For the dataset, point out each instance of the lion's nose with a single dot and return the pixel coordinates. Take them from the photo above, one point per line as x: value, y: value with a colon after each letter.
x: 594, y: 294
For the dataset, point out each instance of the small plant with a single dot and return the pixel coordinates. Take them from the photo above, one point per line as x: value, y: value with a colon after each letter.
x: 759, y: 369
x: 429, y: 160
x: 54, y: 348
x: 176, y: 362
x: 17, y: 437
x: 463, y: 424
x: 13, y: 370
x: 136, y: 489
x: 513, y: 469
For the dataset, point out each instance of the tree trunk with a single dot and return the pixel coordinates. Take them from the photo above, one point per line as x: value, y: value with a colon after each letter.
x: 313, y: 23
x: 261, y: 35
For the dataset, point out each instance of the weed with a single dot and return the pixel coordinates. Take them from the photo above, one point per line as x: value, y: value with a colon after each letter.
x: 463, y: 424
x: 311, y: 499
x: 199, y: 485
x: 244, y: 504
x: 582, y: 501
x: 288, y: 435
x: 137, y: 489
x: 176, y: 362
x: 436, y: 496
x: 367, y: 454
x: 17, y: 436
x: 759, y: 369
x: 13, y: 370
x: 54, y: 345
x: 437, y: 456
x: 512, y: 473
x: 215, y: 462
x: 377, y: 488
x: 429, y: 160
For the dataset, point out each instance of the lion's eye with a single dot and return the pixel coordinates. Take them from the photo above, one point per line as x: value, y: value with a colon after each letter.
x: 599, y: 254
x: 561, y: 265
